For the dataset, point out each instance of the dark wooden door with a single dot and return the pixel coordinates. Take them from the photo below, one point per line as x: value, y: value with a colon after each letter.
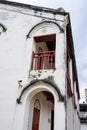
x: 52, y: 120
x: 36, y: 116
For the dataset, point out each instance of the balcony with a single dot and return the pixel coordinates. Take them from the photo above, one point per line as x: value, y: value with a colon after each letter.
x: 43, y: 60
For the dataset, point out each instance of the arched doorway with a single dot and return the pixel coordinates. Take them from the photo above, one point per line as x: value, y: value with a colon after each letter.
x: 51, y: 102
x: 41, y: 112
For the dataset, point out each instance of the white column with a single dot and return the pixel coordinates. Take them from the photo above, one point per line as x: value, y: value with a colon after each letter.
x: 59, y: 116
x: 28, y: 57
x: 60, y: 61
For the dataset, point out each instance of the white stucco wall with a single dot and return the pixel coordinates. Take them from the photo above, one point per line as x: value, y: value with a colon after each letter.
x: 15, y: 55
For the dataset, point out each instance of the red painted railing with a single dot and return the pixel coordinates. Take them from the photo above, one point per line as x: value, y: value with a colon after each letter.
x: 43, y: 60
x: 69, y: 91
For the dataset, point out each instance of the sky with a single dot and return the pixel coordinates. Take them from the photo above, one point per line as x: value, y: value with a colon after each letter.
x: 77, y: 10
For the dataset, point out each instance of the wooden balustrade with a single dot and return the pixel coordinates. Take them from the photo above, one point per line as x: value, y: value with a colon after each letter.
x: 43, y: 60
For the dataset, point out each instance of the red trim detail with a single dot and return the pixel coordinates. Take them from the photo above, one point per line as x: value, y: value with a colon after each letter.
x: 46, y: 38
x: 75, y: 106
x: 69, y: 91
x: 43, y: 60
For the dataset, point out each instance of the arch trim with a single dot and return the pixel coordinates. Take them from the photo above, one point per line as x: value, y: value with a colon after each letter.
x: 61, y: 29
x: 47, y: 81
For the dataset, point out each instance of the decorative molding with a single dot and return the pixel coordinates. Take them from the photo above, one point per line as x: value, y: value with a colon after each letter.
x: 49, y: 81
x: 3, y: 27
x: 44, y: 22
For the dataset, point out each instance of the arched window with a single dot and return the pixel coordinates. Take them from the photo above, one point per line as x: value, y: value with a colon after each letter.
x: 40, y: 49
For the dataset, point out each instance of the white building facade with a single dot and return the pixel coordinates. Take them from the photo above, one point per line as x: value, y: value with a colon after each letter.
x: 83, y: 116
x: 38, y: 78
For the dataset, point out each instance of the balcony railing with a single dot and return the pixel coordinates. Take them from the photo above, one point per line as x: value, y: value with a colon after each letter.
x: 43, y: 60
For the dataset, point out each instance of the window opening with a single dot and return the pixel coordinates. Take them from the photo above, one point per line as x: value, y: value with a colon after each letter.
x: 44, y: 59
